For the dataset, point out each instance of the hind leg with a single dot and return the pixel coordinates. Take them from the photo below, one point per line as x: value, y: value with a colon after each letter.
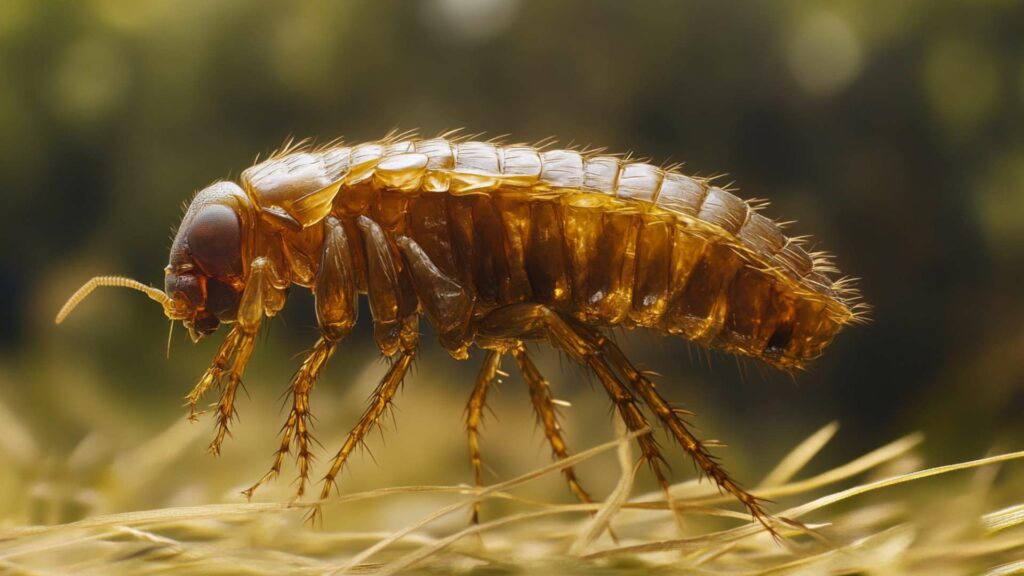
x: 547, y: 416
x: 519, y: 321
x: 671, y: 420
x: 474, y: 415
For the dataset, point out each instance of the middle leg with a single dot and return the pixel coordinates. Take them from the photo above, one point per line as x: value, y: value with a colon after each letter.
x: 336, y: 313
x: 296, y: 427
x: 379, y: 403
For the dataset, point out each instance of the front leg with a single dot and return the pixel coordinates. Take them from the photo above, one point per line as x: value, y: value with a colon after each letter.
x: 243, y: 336
x: 215, y: 373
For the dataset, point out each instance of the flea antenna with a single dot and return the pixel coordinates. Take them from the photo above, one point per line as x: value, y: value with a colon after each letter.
x: 170, y: 334
x: 116, y: 281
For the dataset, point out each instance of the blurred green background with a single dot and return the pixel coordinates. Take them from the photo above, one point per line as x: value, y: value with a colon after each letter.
x: 893, y: 132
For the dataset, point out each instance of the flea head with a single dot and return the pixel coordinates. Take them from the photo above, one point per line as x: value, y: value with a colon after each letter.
x: 204, y: 280
x: 205, y: 276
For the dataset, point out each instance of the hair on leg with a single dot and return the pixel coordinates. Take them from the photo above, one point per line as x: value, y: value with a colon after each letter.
x: 226, y: 407
x: 379, y: 402
x: 547, y: 416
x: 251, y: 310
x: 474, y: 416
x: 336, y: 314
x: 215, y: 373
x: 296, y: 428
x: 673, y: 422
x: 519, y: 320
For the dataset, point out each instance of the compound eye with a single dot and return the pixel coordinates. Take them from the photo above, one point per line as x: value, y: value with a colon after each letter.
x: 215, y: 241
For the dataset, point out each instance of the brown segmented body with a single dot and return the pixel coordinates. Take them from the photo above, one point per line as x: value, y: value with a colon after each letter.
x: 608, y: 241
x: 495, y: 245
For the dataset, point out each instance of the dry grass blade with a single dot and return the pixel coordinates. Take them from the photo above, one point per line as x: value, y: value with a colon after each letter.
x: 901, y: 479
x: 410, y: 560
x: 887, y: 536
x: 163, y: 515
x: 602, y: 520
x: 795, y: 461
x: 884, y: 545
x: 727, y: 536
x: 866, y: 462
x: 962, y: 550
x: 1007, y: 569
x: 1003, y: 519
x: 479, y: 494
x: 220, y: 511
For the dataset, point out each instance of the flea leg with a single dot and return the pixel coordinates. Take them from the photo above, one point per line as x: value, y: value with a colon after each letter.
x: 226, y: 407
x: 297, y: 426
x: 299, y: 420
x: 474, y: 414
x: 379, y: 402
x: 519, y: 320
x: 336, y: 313
x: 671, y: 420
x: 547, y: 415
x: 250, y: 314
x: 215, y: 373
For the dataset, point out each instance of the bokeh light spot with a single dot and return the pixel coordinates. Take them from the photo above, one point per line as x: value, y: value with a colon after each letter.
x: 824, y: 54
x: 305, y: 48
x: 961, y: 83
x: 472, y: 20
x: 132, y: 16
x: 15, y: 15
x: 89, y: 80
x: 1000, y: 204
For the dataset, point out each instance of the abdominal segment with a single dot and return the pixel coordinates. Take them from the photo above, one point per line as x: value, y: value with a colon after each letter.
x: 596, y: 238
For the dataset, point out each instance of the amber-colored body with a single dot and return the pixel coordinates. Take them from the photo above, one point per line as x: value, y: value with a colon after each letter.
x: 495, y: 245
x: 599, y: 239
